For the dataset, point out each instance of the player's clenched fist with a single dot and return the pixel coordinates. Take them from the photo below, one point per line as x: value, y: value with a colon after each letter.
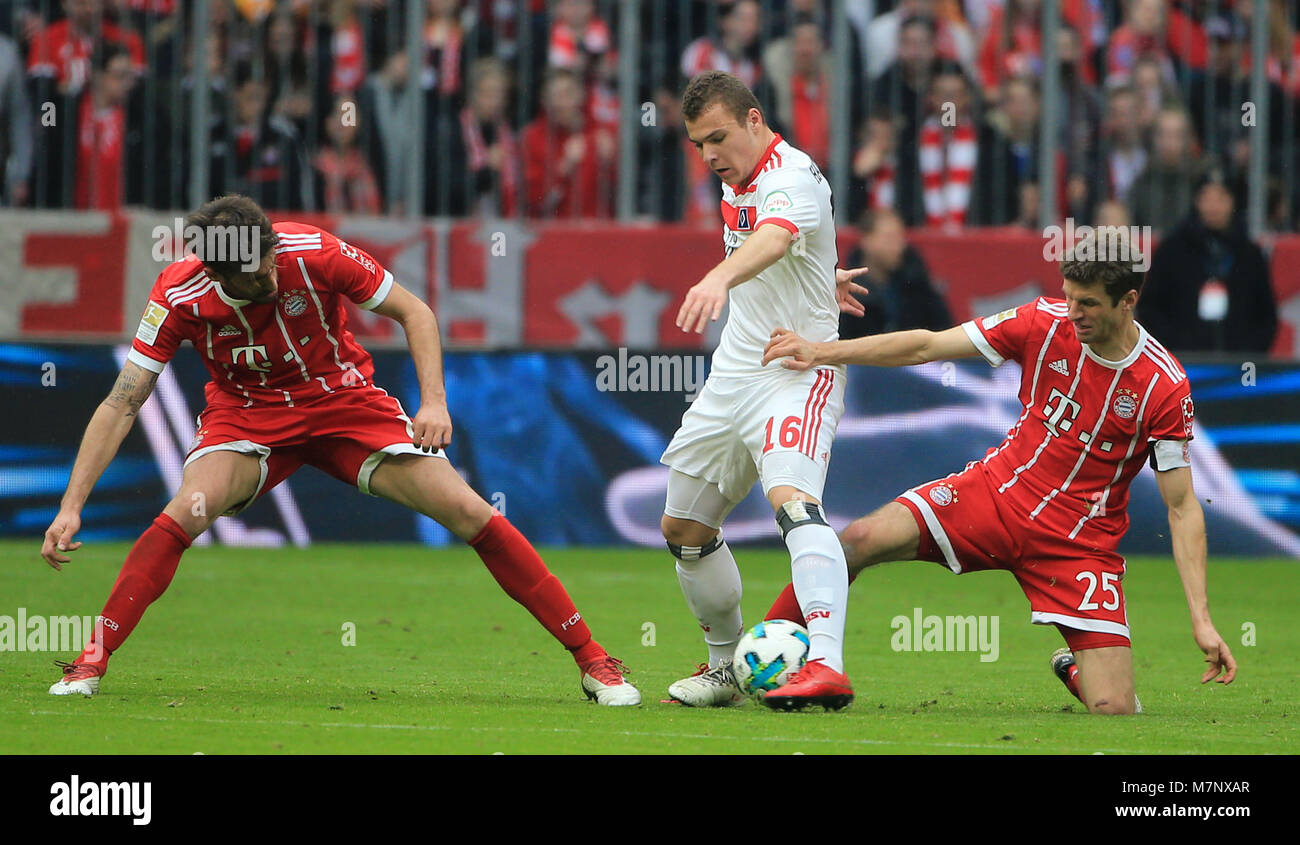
x: 58, y: 538
x: 786, y: 344
x: 432, y: 427
x: 703, y: 303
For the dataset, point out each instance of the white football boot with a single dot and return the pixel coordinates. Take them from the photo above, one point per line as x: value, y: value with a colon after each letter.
x: 78, y: 678
x: 714, y: 687
x: 602, y: 681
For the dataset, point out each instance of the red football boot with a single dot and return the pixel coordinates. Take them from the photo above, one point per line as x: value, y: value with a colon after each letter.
x: 815, y: 683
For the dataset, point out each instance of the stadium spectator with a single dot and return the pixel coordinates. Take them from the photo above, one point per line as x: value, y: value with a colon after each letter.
x: 1155, y: 90
x: 578, y: 35
x: 875, y: 164
x: 952, y: 38
x: 1012, y: 44
x: 902, y: 90
x: 95, y: 156
x: 1126, y: 155
x: 347, y: 46
x: 949, y: 148
x: 734, y: 50
x: 681, y: 187
x: 798, y: 68
x: 1162, y: 194
x: 484, y: 157
x: 1209, y: 287
x: 1112, y: 213
x: 1006, y: 190
x: 1216, y: 99
x: 385, y: 97
x: 1142, y: 34
x: 1078, y: 122
x: 62, y: 52
x: 259, y: 154
x: 569, y: 162
x: 16, y: 126
x: 344, y: 180
x: 899, y: 294
x: 444, y: 54
x: 288, y: 72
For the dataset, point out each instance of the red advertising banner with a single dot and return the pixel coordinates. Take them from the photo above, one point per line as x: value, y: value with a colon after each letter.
x: 503, y: 284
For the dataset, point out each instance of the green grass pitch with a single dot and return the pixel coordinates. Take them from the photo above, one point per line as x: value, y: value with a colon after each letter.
x: 245, y: 654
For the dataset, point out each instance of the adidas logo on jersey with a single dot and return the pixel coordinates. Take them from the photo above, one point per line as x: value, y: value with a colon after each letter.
x: 1061, y: 367
x: 227, y: 331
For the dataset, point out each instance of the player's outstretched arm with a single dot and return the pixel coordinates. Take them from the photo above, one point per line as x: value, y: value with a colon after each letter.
x: 107, y: 429
x: 1187, y: 530
x: 892, y: 349
x: 432, y: 423
x: 705, y: 299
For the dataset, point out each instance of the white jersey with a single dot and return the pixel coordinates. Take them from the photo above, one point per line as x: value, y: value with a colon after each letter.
x: 798, y: 291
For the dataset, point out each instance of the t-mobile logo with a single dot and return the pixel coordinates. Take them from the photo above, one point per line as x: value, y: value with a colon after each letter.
x: 1056, y: 422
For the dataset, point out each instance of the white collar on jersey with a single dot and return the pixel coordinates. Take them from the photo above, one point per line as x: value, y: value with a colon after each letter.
x: 228, y: 299
x: 1128, y: 359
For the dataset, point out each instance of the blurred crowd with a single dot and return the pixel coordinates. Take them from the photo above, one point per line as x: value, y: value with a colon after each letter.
x: 310, y: 106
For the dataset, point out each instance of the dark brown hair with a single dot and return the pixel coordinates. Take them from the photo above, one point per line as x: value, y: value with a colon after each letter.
x: 715, y: 86
x: 1092, y: 261
x: 233, y: 212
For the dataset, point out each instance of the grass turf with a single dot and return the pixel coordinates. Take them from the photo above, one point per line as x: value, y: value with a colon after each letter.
x: 245, y: 654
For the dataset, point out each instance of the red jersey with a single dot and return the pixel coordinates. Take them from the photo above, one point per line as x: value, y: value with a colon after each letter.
x: 296, y: 349
x: 59, y: 52
x: 1088, y: 424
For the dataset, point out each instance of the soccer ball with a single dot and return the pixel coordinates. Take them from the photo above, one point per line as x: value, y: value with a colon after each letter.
x: 768, y: 655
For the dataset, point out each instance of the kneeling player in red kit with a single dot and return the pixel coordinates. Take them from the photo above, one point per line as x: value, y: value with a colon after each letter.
x: 1101, y: 397
x: 291, y: 386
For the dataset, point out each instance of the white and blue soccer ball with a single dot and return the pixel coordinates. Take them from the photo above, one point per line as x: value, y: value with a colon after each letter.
x: 768, y: 655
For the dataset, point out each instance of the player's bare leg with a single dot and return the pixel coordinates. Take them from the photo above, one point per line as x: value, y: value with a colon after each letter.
x: 820, y: 584
x: 431, y: 486
x: 710, y: 582
x: 210, y: 486
x: 1106, y: 680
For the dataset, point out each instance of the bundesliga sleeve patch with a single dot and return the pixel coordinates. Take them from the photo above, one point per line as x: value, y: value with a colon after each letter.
x: 1001, y: 316
x: 777, y: 201
x: 151, y: 322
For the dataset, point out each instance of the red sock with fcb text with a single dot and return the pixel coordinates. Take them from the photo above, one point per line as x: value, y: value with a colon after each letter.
x: 786, y: 605
x: 148, y: 570
x: 1072, y: 681
x: 519, y: 570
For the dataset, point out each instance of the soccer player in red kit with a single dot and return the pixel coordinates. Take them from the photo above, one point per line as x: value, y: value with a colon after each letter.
x: 290, y: 386
x: 1101, y: 396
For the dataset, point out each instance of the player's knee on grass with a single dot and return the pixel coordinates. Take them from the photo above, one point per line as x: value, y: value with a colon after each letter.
x: 889, y: 533
x: 1106, y: 679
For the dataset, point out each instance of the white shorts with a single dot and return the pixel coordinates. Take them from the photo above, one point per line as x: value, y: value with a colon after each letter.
x: 776, y: 429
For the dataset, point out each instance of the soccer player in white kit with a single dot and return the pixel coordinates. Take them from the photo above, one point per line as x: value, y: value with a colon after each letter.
x: 753, y: 422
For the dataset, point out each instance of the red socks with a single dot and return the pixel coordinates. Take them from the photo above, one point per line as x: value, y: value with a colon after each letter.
x: 1072, y: 681
x: 148, y: 570
x: 519, y: 570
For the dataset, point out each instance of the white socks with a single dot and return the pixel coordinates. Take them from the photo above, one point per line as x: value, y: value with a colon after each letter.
x: 821, y: 584
x: 711, y: 585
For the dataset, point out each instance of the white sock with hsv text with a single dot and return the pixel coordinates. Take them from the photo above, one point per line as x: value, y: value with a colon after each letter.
x: 711, y: 584
x: 821, y: 584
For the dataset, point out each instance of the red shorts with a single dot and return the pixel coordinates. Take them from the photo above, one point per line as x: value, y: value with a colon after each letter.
x: 346, y: 435
x: 964, y: 524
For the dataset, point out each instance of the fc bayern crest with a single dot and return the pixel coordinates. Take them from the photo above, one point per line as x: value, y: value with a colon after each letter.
x: 1125, y: 404
x: 943, y: 494
x: 295, y: 303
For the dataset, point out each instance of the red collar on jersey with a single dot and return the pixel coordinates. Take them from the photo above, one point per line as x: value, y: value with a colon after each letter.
x: 762, y: 162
